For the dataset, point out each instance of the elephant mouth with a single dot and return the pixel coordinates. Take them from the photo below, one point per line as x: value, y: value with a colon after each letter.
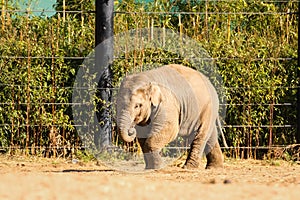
x: 145, y: 122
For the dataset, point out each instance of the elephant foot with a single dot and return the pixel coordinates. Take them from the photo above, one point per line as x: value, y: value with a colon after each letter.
x: 214, y: 166
x: 191, y: 164
x: 214, y: 158
x: 192, y: 161
x: 153, y: 160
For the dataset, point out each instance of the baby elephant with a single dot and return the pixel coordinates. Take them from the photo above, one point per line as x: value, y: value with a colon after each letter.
x: 158, y: 105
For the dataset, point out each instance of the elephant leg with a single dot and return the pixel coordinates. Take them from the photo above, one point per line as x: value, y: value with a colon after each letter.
x: 214, y: 157
x: 153, y: 160
x: 151, y: 156
x: 197, y: 147
x: 213, y: 151
x: 153, y: 142
x: 144, y: 150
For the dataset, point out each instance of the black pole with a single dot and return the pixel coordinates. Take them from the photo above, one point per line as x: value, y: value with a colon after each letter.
x: 104, y: 20
x: 103, y: 62
x: 298, y: 78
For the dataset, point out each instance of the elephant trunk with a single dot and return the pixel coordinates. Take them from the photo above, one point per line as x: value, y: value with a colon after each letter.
x: 127, y: 130
x: 128, y: 135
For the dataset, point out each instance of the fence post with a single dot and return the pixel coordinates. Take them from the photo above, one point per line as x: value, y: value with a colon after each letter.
x: 298, y: 77
x: 103, y: 61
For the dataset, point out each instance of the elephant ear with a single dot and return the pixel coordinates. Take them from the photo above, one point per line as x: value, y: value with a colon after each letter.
x: 155, y: 94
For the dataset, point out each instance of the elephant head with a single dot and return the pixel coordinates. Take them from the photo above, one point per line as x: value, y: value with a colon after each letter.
x: 134, y: 102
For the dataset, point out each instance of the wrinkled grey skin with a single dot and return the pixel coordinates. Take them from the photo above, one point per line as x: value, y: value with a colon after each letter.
x: 158, y: 105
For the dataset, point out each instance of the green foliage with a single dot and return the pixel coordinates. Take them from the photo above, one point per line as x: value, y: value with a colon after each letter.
x: 85, y: 156
x: 36, y: 75
x: 253, y: 42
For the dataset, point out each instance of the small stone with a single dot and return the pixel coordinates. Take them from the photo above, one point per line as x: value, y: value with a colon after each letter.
x: 75, y: 161
x: 227, y: 181
x: 212, y: 181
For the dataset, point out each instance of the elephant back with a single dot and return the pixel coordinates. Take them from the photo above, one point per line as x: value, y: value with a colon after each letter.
x: 171, y: 79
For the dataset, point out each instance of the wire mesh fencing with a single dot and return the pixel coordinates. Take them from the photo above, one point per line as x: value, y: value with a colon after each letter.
x: 253, y: 44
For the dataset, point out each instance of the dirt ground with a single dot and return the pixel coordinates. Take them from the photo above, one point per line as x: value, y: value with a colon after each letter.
x: 36, y: 178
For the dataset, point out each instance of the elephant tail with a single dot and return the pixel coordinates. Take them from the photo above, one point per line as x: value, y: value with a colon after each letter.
x: 222, y: 134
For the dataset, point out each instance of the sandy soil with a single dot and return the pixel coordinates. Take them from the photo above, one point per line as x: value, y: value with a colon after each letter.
x: 38, y: 178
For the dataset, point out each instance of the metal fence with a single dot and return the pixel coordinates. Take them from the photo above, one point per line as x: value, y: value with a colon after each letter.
x: 253, y: 44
